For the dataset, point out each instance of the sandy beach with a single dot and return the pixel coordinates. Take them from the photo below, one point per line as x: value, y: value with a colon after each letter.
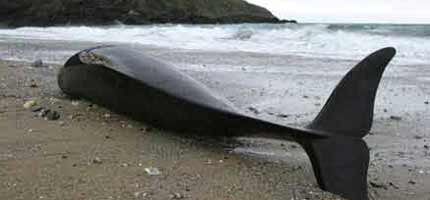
x: 92, y: 153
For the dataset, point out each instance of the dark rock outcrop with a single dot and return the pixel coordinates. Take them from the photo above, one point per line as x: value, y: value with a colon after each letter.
x: 99, y: 12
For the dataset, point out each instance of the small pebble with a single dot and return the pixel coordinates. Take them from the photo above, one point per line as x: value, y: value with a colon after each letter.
x: 53, y: 115
x: 176, y: 196
x: 54, y: 100
x: 29, y: 104
x: 44, y: 112
x: 393, y: 185
x: 152, y: 171
x: 140, y: 194
x: 37, y: 109
x: 75, y: 103
x: 283, y: 116
x: 254, y: 110
x: 417, y: 137
x: 38, y: 63
x: 396, y: 118
x: 97, y: 160
x: 377, y: 185
x: 34, y: 85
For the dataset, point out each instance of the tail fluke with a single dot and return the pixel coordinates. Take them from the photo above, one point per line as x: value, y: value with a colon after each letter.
x: 340, y: 162
x: 340, y: 165
x: 349, y: 110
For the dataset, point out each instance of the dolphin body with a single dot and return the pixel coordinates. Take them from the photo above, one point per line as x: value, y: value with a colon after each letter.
x: 127, y: 81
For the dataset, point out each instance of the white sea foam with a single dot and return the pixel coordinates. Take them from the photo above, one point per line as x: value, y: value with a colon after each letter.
x: 314, y: 40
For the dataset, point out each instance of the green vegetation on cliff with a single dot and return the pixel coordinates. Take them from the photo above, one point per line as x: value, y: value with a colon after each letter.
x: 91, y: 12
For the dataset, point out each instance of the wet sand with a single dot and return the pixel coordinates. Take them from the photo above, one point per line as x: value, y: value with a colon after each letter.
x: 91, y: 153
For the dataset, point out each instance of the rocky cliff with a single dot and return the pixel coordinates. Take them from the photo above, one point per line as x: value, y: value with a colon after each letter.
x: 99, y: 12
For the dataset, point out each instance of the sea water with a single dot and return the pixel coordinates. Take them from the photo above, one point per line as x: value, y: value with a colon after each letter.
x: 335, y: 41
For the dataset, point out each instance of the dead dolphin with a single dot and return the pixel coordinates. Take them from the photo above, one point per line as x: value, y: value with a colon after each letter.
x: 126, y: 80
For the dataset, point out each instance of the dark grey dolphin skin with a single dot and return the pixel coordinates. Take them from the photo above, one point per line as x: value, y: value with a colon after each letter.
x: 127, y: 81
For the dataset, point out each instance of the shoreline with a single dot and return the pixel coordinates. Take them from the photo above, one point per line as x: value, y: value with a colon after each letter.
x: 91, y: 152
x: 321, y: 41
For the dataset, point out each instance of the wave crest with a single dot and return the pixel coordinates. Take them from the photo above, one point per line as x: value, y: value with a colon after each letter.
x: 345, y: 41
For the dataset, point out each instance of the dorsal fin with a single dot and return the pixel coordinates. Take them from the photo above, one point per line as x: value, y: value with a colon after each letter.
x: 349, y: 110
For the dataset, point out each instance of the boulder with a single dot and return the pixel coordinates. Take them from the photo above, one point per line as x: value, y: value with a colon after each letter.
x: 103, y: 12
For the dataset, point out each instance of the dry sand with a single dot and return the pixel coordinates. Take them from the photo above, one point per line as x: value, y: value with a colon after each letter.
x: 91, y: 153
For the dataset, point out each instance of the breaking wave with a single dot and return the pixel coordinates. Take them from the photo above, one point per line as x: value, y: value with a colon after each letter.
x: 345, y: 41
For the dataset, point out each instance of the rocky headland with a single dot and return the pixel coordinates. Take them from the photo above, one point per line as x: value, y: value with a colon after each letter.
x: 104, y: 12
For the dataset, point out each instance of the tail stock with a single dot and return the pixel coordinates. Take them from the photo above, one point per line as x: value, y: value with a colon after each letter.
x: 340, y: 162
